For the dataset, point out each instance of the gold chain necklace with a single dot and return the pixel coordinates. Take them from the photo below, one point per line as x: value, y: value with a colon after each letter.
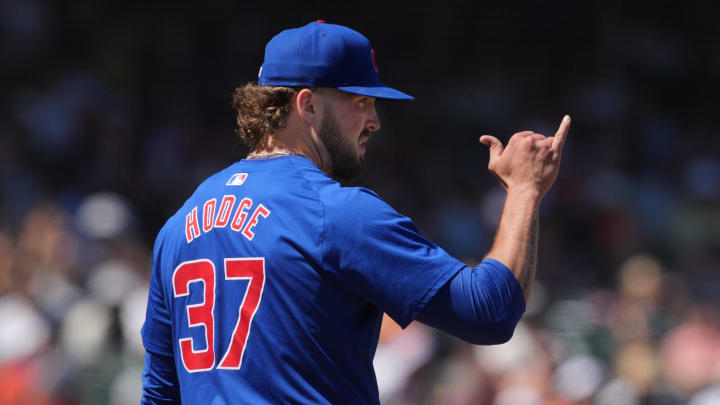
x: 277, y: 153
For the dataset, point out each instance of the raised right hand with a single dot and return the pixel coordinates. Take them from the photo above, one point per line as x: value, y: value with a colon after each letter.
x: 530, y: 162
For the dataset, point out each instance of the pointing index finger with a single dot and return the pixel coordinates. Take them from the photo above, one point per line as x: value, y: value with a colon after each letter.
x: 561, y: 134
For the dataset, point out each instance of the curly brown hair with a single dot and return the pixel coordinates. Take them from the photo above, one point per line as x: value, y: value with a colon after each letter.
x: 261, y: 110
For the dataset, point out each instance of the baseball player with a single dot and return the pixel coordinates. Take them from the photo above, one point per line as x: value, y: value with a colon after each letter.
x: 269, y: 284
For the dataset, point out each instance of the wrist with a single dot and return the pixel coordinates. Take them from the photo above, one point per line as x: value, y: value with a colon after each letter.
x: 526, y: 192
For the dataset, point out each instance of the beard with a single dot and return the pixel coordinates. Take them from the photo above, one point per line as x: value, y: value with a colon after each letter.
x: 347, y: 164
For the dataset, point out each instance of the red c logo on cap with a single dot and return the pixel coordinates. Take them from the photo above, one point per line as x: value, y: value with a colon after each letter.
x: 372, y: 52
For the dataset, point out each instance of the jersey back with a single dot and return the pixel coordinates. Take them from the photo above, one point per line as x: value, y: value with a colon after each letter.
x: 269, y: 284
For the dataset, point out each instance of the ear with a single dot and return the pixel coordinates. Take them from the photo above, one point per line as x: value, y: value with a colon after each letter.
x: 309, y: 106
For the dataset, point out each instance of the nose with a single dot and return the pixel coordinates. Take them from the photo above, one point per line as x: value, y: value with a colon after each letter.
x: 373, y: 123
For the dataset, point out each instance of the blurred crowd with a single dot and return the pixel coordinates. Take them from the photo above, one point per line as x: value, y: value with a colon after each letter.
x: 111, y: 114
x: 73, y: 301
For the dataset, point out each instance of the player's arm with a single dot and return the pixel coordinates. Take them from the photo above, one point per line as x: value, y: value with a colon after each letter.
x: 484, y: 304
x: 159, y: 379
x: 481, y: 305
x: 526, y: 168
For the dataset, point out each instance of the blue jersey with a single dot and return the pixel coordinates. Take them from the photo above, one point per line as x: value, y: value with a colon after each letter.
x: 269, y: 284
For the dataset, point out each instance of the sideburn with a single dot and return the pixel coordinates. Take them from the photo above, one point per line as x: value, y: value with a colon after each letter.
x: 345, y: 163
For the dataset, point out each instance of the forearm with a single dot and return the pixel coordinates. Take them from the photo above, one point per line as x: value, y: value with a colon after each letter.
x: 516, y: 239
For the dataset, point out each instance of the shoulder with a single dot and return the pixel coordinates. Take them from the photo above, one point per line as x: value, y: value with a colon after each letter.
x: 336, y: 198
x: 348, y: 210
x: 356, y: 202
x: 356, y: 213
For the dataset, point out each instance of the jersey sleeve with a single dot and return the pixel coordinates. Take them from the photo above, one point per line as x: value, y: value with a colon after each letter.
x: 157, y: 329
x: 481, y: 305
x: 380, y: 255
x: 159, y: 381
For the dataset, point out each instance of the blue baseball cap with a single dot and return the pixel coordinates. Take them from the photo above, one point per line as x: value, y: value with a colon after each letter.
x: 324, y: 55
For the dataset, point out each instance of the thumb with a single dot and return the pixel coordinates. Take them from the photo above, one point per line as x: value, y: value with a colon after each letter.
x: 496, y: 147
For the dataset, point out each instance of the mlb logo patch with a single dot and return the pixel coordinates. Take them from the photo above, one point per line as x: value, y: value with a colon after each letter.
x: 237, y: 179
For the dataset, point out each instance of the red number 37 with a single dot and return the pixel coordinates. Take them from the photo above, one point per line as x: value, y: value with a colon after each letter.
x: 202, y: 314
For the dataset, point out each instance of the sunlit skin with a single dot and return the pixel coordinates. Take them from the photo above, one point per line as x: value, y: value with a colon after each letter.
x: 331, y: 128
x: 357, y: 119
x: 526, y: 168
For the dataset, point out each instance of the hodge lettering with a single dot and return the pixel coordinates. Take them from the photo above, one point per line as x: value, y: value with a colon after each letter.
x: 212, y: 215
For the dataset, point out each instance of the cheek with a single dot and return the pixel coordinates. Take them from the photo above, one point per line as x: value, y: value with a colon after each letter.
x: 357, y: 124
x: 351, y: 128
x: 351, y: 122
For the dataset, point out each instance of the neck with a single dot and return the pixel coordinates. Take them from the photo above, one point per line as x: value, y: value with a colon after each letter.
x: 303, y: 143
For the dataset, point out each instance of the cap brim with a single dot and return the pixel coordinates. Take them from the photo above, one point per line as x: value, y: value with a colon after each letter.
x: 381, y: 92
